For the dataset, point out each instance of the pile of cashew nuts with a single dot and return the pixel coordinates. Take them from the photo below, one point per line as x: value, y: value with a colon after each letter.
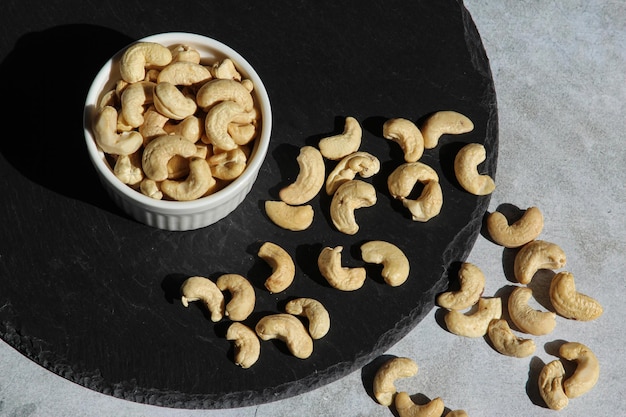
x: 174, y: 126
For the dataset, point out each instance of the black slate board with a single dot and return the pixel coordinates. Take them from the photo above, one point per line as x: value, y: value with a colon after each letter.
x: 93, y: 295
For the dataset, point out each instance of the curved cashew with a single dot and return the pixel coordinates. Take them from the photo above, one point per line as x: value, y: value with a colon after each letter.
x: 407, y: 408
x: 216, y: 124
x: 191, y: 128
x: 107, y: 138
x: 283, y: 267
x: 402, y: 181
x: 184, y: 73
x: 477, y: 323
x: 395, y: 263
x: 524, y: 230
x: 294, y: 218
x: 198, y: 182
x: 128, y: 168
x: 243, y: 298
x: 184, y: 53
x: 407, y: 135
x: 314, y: 311
x: 218, y: 90
x: 351, y: 195
x: 466, y: 170
x: 362, y: 163
x: 226, y: 70
x: 228, y: 165
x: 153, y: 125
x: 526, y: 318
x: 537, y: 255
x: 338, y: 146
x: 141, y: 55
x: 587, y: 369
x: 160, y: 150
x: 289, y: 329
x: 339, y: 277
x: 178, y: 166
x: 171, y: 102
x: 551, y: 385
x: 310, y: 178
x: 151, y: 188
x: 385, y: 378
x: 133, y: 101
x: 505, y: 342
x: 203, y: 289
x: 242, y: 134
x: 472, y: 285
x: 247, y: 344
x: 571, y: 304
x: 444, y: 123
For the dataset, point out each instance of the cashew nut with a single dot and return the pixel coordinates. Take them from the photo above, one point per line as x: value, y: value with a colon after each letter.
x: 246, y: 342
x: 242, y: 134
x: 184, y: 53
x: 472, y: 285
x: 351, y: 195
x: 362, y: 163
x: 402, y: 181
x: 171, y: 102
x: 570, y: 303
x: 133, y: 101
x: 385, y: 378
x: 476, y: 323
x: 153, y: 125
x: 526, y: 318
x: 314, y: 311
x: 445, y: 122
x: 141, y: 55
x: 191, y: 128
x: 587, y: 370
x: 283, y: 267
x: 407, y: 408
x: 338, y: 146
x: 151, y: 188
x: 226, y: 70
x: 466, y: 170
x: 184, y: 73
x: 551, y: 385
x: 339, y: 277
x: 216, y: 124
x: 294, y: 218
x: 128, y: 168
x: 524, y: 230
x: 242, y: 294
x: 395, y: 263
x: 203, y: 289
x: 310, y: 178
x: 228, y: 165
x: 160, y: 150
x: 407, y: 135
x: 505, y: 342
x: 537, y: 255
x: 111, y: 142
x: 198, y: 183
x: 218, y: 90
x: 178, y: 166
x: 289, y: 329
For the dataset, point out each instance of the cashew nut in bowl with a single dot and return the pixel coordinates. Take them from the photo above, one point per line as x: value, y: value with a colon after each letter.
x: 339, y: 277
x: 220, y: 90
x: 226, y: 69
x: 407, y: 408
x: 395, y: 263
x: 466, y: 170
x: 160, y: 150
x: 283, y: 267
x: 406, y: 134
x: 551, y: 385
x: 362, y: 163
x: 472, y: 285
x: 505, y: 342
x: 294, y: 218
x: 178, y: 166
x: 475, y: 324
x: 128, y: 169
x: 107, y: 138
x: 569, y: 303
x: 151, y: 188
x: 351, y: 195
x: 141, y: 55
x: 446, y: 122
x: 402, y: 181
x: 133, y: 101
x: 246, y: 343
x: 184, y: 53
x: 243, y: 298
x: 153, y: 125
x: 537, y: 255
x: 184, y: 73
x: 338, y: 146
x: 587, y: 370
x: 386, y: 376
x: 310, y: 178
x: 172, y: 102
x: 524, y: 230
x: 191, y: 128
x: 289, y: 329
x: 526, y: 318
x: 216, y: 124
x: 228, y: 165
x: 198, y: 183
x: 314, y: 311
x: 203, y: 289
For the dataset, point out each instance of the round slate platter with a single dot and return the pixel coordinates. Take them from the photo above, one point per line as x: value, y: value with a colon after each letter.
x: 93, y: 295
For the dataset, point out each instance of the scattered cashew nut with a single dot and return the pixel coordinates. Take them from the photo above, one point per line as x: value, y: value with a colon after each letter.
x: 362, y: 163
x: 141, y: 55
x: 395, y: 263
x: 289, y: 329
x: 587, y: 370
x: 351, y: 195
x: 203, y: 289
x: 339, y: 277
x: 283, y: 267
x: 476, y: 323
x: 466, y: 170
x: 338, y: 146
x: 402, y: 181
x: 526, y: 318
x: 294, y: 218
x: 386, y: 376
x: 505, y: 342
x: 243, y: 298
x: 524, y: 230
x: 442, y: 123
x: 314, y: 311
x: 407, y: 408
x: 551, y: 385
x: 310, y: 178
x: 406, y: 134
x: 246, y: 342
x: 537, y: 255
x: 472, y: 285
x: 571, y: 304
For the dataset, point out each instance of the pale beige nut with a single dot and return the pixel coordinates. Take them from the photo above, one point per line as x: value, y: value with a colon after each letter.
x: 178, y: 166
x: 151, y: 188
x: 474, y: 324
x: 551, y: 385
x: 219, y: 90
x: 226, y: 69
x: 524, y: 230
x: 395, y: 264
x: 315, y: 313
x: 407, y: 408
x: 587, y: 370
x: 242, y: 296
x: 283, y: 267
x: 202, y: 289
x: 294, y: 218
x: 134, y: 100
x: 362, y: 163
x: 153, y: 125
x: 402, y: 181
x: 466, y: 170
x: 242, y: 133
x: 472, y: 285
x: 505, y: 341
x: 342, y: 278
x: 526, y: 318
x: 191, y: 128
x: 446, y: 122
x: 384, y: 381
x: 184, y: 73
x: 185, y: 53
x: 350, y: 196
x: 338, y: 146
x: 406, y: 134
x: 172, y: 102
x: 107, y: 137
x: 536, y: 255
x: 198, y: 183
x: 216, y: 124
x: 228, y: 165
x: 457, y: 413
x: 310, y: 179
x: 246, y: 344
x: 290, y: 330
x: 128, y: 169
x: 571, y: 304
x: 139, y: 56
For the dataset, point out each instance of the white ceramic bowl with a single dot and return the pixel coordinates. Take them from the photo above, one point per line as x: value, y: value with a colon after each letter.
x: 179, y: 215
